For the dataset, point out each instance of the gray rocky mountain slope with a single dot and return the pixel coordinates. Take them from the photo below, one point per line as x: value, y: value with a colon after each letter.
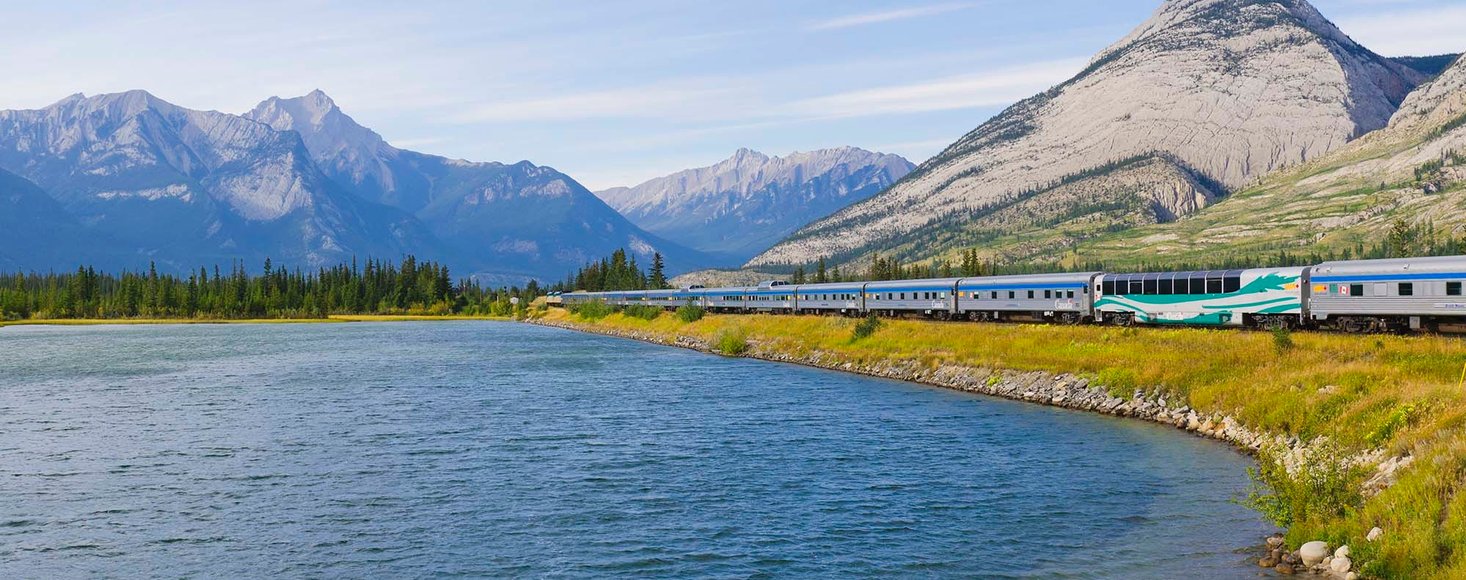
x: 744, y: 204
x: 503, y: 218
x: 188, y: 188
x: 1211, y: 94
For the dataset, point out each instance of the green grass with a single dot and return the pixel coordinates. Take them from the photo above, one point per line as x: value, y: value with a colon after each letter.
x: 1400, y: 394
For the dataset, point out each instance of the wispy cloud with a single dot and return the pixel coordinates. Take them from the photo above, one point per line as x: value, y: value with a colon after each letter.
x: 868, y: 18
x: 996, y: 88
x: 1419, y: 32
x: 619, y: 103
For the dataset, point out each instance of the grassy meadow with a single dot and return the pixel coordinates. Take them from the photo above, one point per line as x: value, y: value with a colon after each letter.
x: 1402, y: 395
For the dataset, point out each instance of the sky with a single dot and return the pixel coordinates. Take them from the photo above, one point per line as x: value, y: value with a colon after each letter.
x: 615, y: 92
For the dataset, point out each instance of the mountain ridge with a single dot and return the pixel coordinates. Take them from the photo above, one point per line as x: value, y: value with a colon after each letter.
x: 743, y: 204
x: 1228, y: 90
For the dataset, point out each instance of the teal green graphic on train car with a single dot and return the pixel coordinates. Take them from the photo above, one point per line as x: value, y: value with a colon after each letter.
x: 1271, y: 293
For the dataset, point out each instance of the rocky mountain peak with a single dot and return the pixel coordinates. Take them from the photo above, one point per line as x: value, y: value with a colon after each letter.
x: 1223, y: 91
x: 746, y: 202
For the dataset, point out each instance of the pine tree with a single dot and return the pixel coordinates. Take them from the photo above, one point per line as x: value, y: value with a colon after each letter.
x: 658, y: 278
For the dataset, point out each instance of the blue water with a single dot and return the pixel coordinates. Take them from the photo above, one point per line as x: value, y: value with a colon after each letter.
x: 495, y: 449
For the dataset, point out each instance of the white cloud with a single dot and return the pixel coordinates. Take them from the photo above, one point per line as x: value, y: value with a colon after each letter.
x: 996, y: 88
x: 1420, y: 32
x: 867, y: 18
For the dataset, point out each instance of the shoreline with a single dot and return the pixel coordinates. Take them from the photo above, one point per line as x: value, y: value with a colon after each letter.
x: 332, y: 319
x: 1062, y: 390
x: 1380, y: 466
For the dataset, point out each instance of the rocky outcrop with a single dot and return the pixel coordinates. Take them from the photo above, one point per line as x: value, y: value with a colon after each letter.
x: 1228, y: 89
x: 744, y: 204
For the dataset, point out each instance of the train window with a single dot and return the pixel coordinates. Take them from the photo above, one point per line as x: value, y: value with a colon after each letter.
x: 1407, y: 289
x: 1048, y: 294
x: 1231, y: 284
x: 903, y: 295
x: 1107, y: 287
x: 1453, y: 288
x: 1071, y: 294
x: 1137, y: 287
x: 995, y: 295
x: 1149, y: 286
x: 1030, y: 295
x: 1356, y: 290
x: 1167, y: 286
x: 1213, y: 285
x: 1012, y: 294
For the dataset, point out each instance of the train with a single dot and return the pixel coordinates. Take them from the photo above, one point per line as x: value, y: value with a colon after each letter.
x: 1354, y: 296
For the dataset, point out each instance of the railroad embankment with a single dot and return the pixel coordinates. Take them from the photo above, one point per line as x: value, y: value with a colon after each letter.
x: 1359, y: 440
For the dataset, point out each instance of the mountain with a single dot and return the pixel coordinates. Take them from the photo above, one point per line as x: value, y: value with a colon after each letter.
x: 506, y: 219
x: 1428, y: 65
x: 1412, y: 172
x: 1195, y: 103
x: 187, y: 187
x: 35, y: 231
x: 743, y: 205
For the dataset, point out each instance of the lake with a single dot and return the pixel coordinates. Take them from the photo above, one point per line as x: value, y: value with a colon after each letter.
x: 498, y: 449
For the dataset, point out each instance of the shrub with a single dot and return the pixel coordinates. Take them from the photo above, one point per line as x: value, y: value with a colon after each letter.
x: 1324, y: 484
x: 731, y: 341
x: 690, y: 313
x: 595, y: 310
x: 1283, y: 340
x: 865, y: 328
x: 642, y: 311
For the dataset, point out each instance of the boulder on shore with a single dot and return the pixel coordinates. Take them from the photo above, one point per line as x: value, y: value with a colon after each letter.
x: 1313, y: 553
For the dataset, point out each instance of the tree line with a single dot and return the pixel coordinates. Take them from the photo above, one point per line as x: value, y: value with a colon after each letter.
x: 375, y: 287
x: 617, y: 272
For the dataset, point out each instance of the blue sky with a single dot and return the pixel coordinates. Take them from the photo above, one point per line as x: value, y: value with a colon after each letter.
x: 616, y: 92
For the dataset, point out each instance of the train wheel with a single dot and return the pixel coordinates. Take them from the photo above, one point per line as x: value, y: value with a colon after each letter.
x: 1353, y: 326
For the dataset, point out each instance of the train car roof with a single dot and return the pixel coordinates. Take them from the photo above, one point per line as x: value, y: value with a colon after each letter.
x: 918, y: 283
x: 1035, y: 278
x: 1398, y: 266
x: 856, y: 286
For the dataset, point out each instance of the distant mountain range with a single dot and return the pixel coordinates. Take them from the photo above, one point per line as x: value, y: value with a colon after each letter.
x: 1202, y: 99
x: 295, y: 180
x: 741, y: 206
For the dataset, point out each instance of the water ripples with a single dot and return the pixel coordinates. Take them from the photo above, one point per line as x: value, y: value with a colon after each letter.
x: 494, y: 450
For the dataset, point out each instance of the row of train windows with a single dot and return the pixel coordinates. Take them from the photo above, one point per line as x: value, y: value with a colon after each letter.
x: 1013, y: 295
x: 914, y: 296
x: 1163, y: 287
x: 829, y: 297
x: 1401, y: 289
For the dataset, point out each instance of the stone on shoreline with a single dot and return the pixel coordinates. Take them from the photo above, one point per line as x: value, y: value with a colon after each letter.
x: 1341, y: 565
x: 1342, y: 552
x: 1375, y: 534
x: 1313, y: 552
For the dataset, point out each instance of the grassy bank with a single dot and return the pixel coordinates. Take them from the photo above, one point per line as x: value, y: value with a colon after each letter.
x: 1393, y: 396
x: 335, y: 318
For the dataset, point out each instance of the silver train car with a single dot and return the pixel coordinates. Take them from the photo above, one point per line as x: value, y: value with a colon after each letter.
x: 1389, y: 295
x: 1352, y: 296
x: 1039, y: 297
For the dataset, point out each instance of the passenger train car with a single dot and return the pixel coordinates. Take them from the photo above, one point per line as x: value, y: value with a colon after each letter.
x: 1353, y: 296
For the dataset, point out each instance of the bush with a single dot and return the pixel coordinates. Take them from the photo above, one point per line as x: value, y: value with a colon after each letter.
x: 1283, y: 340
x: 690, y: 313
x: 865, y: 328
x: 642, y: 311
x: 731, y: 342
x: 595, y: 310
x: 1323, y: 485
